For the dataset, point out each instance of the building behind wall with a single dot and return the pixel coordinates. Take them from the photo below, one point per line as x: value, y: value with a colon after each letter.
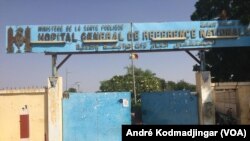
x: 13, y: 102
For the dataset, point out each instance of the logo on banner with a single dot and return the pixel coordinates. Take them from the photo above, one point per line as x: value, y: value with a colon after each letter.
x: 19, y: 39
x: 16, y: 42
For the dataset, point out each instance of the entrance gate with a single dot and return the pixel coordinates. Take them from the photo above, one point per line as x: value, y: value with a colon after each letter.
x: 168, y: 108
x: 95, y: 116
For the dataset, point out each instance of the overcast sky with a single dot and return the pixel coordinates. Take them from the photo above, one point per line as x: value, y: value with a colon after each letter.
x: 32, y: 70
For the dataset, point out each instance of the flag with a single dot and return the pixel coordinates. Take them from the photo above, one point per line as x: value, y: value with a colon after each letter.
x: 133, y: 56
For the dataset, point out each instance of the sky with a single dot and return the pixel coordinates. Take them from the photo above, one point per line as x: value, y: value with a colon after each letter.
x: 87, y: 71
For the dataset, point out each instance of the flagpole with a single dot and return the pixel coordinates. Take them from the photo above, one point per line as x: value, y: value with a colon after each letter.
x: 132, y: 63
x: 133, y: 74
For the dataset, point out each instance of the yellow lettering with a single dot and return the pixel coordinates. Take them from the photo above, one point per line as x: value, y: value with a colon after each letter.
x: 192, y: 34
x: 145, y: 35
x: 209, y: 33
x: 107, y: 36
x: 170, y: 34
x: 158, y: 34
x: 152, y: 34
x: 175, y: 33
x: 202, y: 34
x: 182, y: 33
x: 163, y: 34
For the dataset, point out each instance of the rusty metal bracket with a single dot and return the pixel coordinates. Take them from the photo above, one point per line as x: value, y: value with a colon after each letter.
x: 190, y: 54
x: 63, y: 61
x: 55, y: 68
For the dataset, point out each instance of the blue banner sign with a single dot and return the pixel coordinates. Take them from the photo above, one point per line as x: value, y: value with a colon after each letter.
x: 128, y: 37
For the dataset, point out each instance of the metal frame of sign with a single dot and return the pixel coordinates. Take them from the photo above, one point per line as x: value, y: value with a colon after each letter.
x: 126, y: 37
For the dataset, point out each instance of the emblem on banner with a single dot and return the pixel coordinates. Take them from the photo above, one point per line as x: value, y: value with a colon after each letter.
x: 18, y: 40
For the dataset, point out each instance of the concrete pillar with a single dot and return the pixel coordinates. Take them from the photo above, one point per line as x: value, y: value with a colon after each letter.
x: 54, y: 131
x: 206, y: 98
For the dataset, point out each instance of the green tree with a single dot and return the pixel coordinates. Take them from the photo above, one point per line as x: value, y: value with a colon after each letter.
x: 145, y: 81
x: 181, y: 85
x: 212, y: 9
x: 72, y: 90
x: 170, y: 85
x: 226, y: 64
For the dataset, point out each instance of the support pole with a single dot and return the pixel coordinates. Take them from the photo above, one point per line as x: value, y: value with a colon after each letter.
x: 53, y: 78
x: 54, y: 68
x: 206, y: 98
x: 206, y: 95
x: 54, y: 111
x: 202, y: 60
x: 55, y: 104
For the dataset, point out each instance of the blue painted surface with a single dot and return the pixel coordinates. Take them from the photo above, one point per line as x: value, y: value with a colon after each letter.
x: 95, y: 116
x: 195, y: 35
x: 170, y: 108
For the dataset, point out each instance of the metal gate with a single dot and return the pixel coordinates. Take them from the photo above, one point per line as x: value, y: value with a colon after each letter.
x: 174, y: 107
x: 95, y: 116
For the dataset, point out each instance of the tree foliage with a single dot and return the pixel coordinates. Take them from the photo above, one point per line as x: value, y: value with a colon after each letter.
x: 145, y: 80
x: 72, y: 90
x: 226, y: 64
x: 232, y: 64
x: 212, y: 9
x: 181, y: 85
x: 209, y: 9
